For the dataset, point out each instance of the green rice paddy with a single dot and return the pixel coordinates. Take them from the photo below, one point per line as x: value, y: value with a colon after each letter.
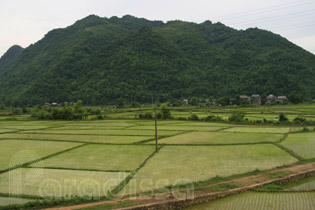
x: 94, y: 157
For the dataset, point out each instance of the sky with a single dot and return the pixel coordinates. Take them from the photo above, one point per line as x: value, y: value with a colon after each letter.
x: 24, y: 22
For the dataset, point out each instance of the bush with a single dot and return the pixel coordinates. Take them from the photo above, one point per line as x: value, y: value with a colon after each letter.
x: 299, y: 120
x: 212, y: 118
x: 147, y: 115
x: 193, y: 117
x: 236, y: 118
x: 65, y: 113
x: 17, y: 111
x: 224, y: 101
x: 96, y: 111
x: 2, y: 107
x: 159, y: 115
x: 100, y: 117
x: 283, y: 118
x: 306, y: 129
x: 24, y: 110
x: 166, y: 113
x: 181, y: 118
x: 41, y: 115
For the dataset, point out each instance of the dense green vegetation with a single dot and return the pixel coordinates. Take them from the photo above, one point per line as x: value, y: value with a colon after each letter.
x: 131, y: 60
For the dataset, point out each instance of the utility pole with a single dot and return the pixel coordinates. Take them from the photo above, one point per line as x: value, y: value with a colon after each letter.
x: 156, y: 136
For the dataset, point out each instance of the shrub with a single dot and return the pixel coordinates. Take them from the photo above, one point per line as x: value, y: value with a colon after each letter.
x: 159, y: 115
x: 193, y: 117
x: 283, y: 118
x: 300, y: 120
x: 181, y: 118
x: 212, y: 118
x: 306, y: 129
x: 41, y: 115
x: 147, y: 115
x: 236, y: 118
x: 166, y: 113
x: 96, y: 111
x: 17, y: 111
x: 100, y: 117
x: 2, y: 107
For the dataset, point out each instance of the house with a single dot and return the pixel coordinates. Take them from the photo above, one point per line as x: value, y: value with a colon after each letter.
x: 54, y: 104
x: 281, y: 99
x: 47, y: 105
x: 270, y: 99
x: 185, y: 101
x: 246, y: 98
x: 256, y: 99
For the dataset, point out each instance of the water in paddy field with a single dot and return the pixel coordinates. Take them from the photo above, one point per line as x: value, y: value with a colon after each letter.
x: 262, y: 201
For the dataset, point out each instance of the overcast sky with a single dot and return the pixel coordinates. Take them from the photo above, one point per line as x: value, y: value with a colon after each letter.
x: 24, y: 22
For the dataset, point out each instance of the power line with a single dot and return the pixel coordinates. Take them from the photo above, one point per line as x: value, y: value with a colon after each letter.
x: 279, y: 17
x: 293, y: 26
x: 263, y: 10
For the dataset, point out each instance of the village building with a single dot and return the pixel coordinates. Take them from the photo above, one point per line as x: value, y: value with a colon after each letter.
x: 281, y: 99
x: 270, y: 99
x: 54, y: 104
x: 256, y: 99
x: 246, y: 98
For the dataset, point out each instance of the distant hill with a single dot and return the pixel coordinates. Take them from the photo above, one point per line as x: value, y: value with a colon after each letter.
x: 105, y: 60
x: 10, y: 56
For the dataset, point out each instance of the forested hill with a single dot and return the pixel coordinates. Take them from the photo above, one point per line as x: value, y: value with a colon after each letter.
x: 10, y: 56
x: 103, y: 60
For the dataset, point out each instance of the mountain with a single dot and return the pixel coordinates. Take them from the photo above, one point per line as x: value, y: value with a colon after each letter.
x: 10, y: 56
x: 129, y: 59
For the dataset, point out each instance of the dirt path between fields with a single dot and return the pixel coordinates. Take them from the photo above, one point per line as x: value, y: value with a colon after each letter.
x: 207, y: 192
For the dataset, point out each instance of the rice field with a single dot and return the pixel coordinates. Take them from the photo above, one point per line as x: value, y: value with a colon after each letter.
x: 262, y: 201
x: 59, y: 183
x: 16, y: 152
x: 5, y: 130
x: 254, y: 129
x: 109, y: 139
x: 305, y: 184
x: 94, y: 157
x: 302, y: 144
x: 101, y: 157
x: 9, y: 201
x: 185, y: 164
x: 220, y: 138
x: 164, y: 128
x: 24, y: 127
x: 105, y: 132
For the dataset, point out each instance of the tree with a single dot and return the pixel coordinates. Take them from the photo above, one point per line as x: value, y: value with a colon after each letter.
x: 263, y: 99
x: 224, y: 101
x: 295, y: 98
x: 236, y: 117
x: 237, y: 100
x: 166, y: 113
x: 194, y: 101
x: 79, y: 111
x: 283, y: 118
x: 78, y: 106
